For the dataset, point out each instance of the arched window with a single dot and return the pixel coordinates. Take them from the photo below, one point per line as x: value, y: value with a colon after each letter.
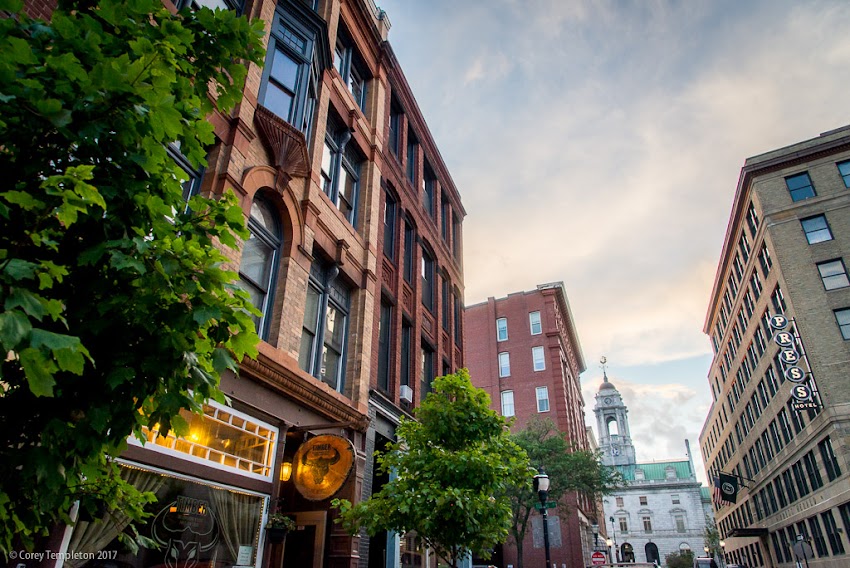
x: 613, y: 427
x: 260, y: 260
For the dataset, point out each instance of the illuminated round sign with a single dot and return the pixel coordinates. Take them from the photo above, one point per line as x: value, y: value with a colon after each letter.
x: 801, y: 392
x: 778, y: 321
x: 789, y: 356
x: 795, y: 374
x: 783, y: 339
x: 322, y: 464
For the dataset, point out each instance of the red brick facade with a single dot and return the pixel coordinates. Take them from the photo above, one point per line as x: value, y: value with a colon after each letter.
x: 563, y: 364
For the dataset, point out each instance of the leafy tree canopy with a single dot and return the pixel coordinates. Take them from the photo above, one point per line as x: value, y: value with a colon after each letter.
x: 568, y: 470
x: 681, y: 559
x: 117, y: 309
x: 454, y: 466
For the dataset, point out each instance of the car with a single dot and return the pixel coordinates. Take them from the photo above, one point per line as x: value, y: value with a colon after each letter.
x: 705, y: 562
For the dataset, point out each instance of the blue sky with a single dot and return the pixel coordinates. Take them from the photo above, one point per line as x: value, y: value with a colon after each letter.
x: 600, y: 143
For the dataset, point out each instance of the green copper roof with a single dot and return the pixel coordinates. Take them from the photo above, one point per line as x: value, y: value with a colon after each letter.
x: 656, y: 471
x: 705, y: 493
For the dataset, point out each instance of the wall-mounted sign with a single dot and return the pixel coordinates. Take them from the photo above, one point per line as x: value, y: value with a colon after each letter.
x: 803, y: 391
x: 322, y: 464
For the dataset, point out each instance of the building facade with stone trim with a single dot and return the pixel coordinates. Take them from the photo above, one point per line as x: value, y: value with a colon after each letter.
x: 784, y: 254
x: 524, y: 351
x: 354, y: 260
x: 661, y: 509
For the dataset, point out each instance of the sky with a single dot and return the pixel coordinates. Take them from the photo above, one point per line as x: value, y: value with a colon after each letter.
x: 600, y: 144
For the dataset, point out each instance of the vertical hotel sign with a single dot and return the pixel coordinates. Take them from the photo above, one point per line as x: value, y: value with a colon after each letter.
x: 795, y: 363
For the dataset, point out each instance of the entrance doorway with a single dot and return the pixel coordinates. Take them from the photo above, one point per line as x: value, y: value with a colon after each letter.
x: 652, y: 553
x: 305, y: 546
x: 627, y: 553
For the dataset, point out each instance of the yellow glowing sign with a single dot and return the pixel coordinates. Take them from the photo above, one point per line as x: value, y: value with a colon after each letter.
x: 322, y: 464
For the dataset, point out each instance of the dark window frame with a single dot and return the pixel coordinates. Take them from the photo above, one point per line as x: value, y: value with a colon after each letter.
x: 800, y: 186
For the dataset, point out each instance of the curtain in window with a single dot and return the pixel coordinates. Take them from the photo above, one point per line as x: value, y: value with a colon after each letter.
x: 238, y: 518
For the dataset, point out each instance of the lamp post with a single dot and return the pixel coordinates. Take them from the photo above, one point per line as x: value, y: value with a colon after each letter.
x: 614, y: 535
x: 722, y: 544
x: 541, y: 485
x: 595, y: 529
x: 610, y: 543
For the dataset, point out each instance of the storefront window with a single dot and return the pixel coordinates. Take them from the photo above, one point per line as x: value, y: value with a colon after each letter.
x: 194, y: 524
x: 223, y: 436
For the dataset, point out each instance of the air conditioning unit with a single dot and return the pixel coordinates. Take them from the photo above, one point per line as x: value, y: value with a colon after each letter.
x: 406, y: 394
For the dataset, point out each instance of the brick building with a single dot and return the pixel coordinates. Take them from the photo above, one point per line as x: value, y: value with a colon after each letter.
x: 524, y: 351
x: 354, y: 260
x: 783, y: 254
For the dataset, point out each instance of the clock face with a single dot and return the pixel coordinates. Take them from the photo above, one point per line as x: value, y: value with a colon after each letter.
x: 615, y: 451
x: 607, y: 400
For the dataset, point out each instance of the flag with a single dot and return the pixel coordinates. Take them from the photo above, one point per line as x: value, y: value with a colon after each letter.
x: 725, y: 489
x: 729, y: 487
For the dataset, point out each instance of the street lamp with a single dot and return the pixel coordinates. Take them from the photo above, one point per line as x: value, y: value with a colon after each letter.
x: 614, y: 534
x: 541, y: 485
x: 610, y: 543
x: 722, y: 544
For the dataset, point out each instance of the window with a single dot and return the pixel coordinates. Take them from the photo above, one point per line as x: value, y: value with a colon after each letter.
x: 647, y: 524
x: 817, y: 536
x: 445, y: 216
x: 427, y: 376
x: 832, y: 533
x: 211, y: 4
x: 384, y: 345
x: 842, y: 316
x: 446, y: 303
x: 389, y: 225
x: 412, y: 157
x: 394, y: 137
x: 542, y: 399
x: 504, y: 364
x: 620, y: 502
x: 680, y: 523
x: 830, y: 462
x: 643, y: 500
x: 502, y: 329
x: 458, y: 305
x: 624, y: 525
x: 765, y: 260
x: 507, y: 403
x: 259, y: 263
x: 409, y: 242
x: 800, y: 186
x: 833, y: 274
x: 347, y: 62
x: 752, y: 219
x: 455, y: 235
x: 778, y: 300
x: 813, y: 471
x: 534, y: 323
x: 844, y: 170
x: 816, y: 229
x: 428, y: 276
x: 538, y: 357
x: 406, y: 342
x: 290, y: 82
x: 429, y: 192
x: 341, y: 171
x: 193, y: 176
x: 675, y: 499
x: 325, y: 331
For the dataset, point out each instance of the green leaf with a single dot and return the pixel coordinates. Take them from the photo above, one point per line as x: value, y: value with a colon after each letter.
x: 39, y: 372
x: 14, y: 326
x: 43, y: 338
x: 31, y: 303
x: 19, y: 269
x: 23, y: 199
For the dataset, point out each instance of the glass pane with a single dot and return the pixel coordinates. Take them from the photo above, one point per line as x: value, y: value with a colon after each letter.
x: 327, y: 176
x: 330, y: 366
x: 284, y: 70
x: 264, y: 217
x: 306, y: 351
x: 278, y: 101
x: 311, y: 309
x: 335, y: 328
x: 257, y: 261
x: 347, y: 192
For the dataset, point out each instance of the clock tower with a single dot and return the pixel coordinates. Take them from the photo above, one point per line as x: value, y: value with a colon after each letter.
x: 612, y: 423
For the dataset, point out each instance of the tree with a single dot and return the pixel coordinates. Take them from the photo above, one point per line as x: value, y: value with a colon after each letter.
x: 712, y: 537
x: 680, y: 559
x: 117, y: 309
x: 454, y: 466
x: 568, y: 470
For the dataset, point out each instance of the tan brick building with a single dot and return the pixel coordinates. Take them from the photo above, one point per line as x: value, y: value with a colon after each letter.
x: 354, y: 261
x: 784, y: 255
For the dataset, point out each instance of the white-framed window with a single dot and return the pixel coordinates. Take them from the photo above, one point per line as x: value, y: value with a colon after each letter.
x: 539, y: 359
x: 502, y: 329
x: 534, y: 323
x: 680, y: 523
x: 647, y: 523
x: 833, y: 274
x: 675, y: 499
x: 619, y: 502
x: 542, y: 399
x: 222, y: 438
x: 504, y: 364
x: 507, y: 403
x: 624, y: 525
